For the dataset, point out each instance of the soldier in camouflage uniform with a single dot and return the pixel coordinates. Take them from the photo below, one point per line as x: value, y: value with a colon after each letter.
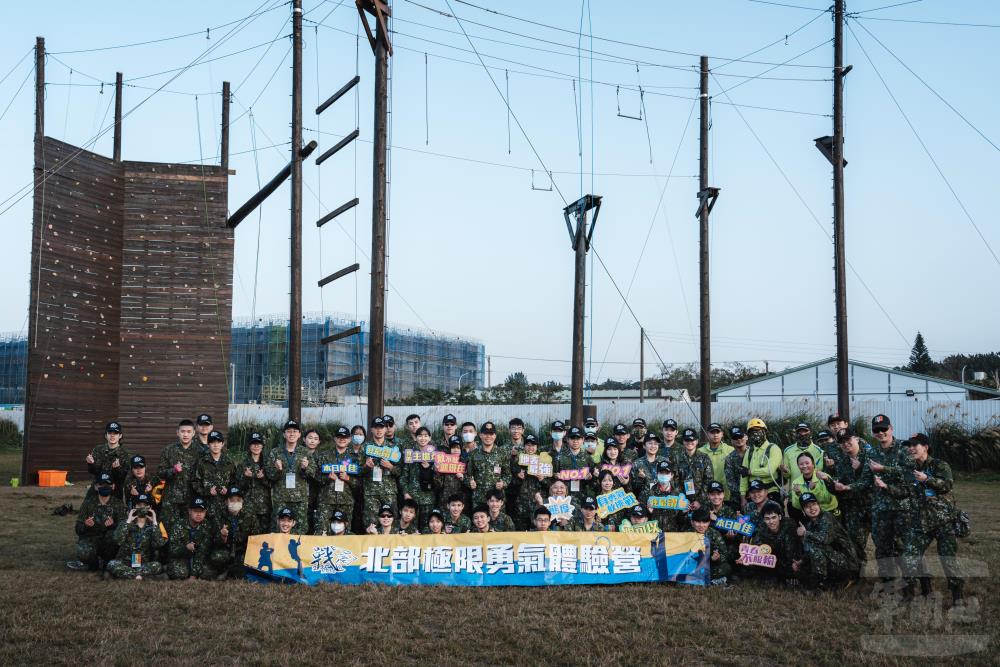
x: 177, y: 466
x: 778, y: 532
x: 455, y: 521
x: 670, y: 445
x: 312, y: 441
x: 719, y: 509
x: 636, y: 444
x: 828, y: 555
x: 588, y: 521
x: 527, y: 487
x: 500, y: 522
x: 138, y: 481
x: 417, y: 480
x: 670, y: 519
x: 448, y: 484
x: 110, y: 457
x: 733, y: 467
x: 407, y: 522
x: 488, y: 467
x: 693, y: 469
x: 213, y: 476
x: 139, y: 539
x: 289, y: 467
x: 189, y: 544
x: 99, y: 514
x: 720, y: 554
x: 891, y: 471
x: 233, y: 530
x: 932, y: 518
x: 620, y: 433
x: 337, y: 488
x: 573, y: 457
x: 853, y: 486
x: 379, y: 476
x: 644, y: 468
x: 253, y: 482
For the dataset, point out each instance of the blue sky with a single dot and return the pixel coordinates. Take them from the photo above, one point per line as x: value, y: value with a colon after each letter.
x: 476, y: 251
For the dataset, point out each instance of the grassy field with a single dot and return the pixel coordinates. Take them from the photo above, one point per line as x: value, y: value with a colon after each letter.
x: 56, y: 616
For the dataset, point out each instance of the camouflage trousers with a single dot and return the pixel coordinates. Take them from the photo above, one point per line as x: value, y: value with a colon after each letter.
x: 372, y: 504
x: 94, y: 550
x: 858, y: 523
x: 889, y: 527
x: 324, y: 512
x: 424, y: 513
x: 916, y: 544
x: 173, y: 513
x: 823, y: 564
x: 231, y: 563
x: 301, y: 510
x: 121, y: 569
x: 190, y: 567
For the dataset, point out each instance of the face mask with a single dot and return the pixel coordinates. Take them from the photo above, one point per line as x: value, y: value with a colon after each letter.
x: 558, y: 435
x: 589, y: 430
x: 757, y: 437
x: 357, y: 439
x: 803, y: 439
x: 468, y: 437
x: 664, y: 480
x: 104, y: 491
x: 590, y: 446
x: 337, y: 528
x: 235, y: 507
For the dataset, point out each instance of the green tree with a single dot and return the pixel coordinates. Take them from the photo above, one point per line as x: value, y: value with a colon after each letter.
x: 920, y: 358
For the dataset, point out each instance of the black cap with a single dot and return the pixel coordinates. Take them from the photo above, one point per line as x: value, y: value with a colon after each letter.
x: 198, y: 503
x: 823, y: 434
x: 142, y: 498
x: 436, y: 512
x: 338, y: 516
x: 235, y: 491
x: 590, y: 421
x: 389, y: 421
x: 689, y: 434
x: 638, y: 510
x: 454, y: 441
x: 291, y: 423
x: 881, y: 421
x: 342, y: 432
x: 716, y: 486
x: 714, y: 426
x: 588, y: 504
x: 216, y: 436
x: 574, y: 432
x: 670, y: 423
x: 639, y: 421
x: 802, y: 426
x: 488, y: 428
x: 845, y: 434
x: 386, y: 509
x: 255, y: 437
x: 104, y: 479
x: 621, y: 429
x: 558, y: 425
x: 918, y: 439
x: 378, y: 421
x: 663, y: 466
x: 808, y: 498
x: 701, y: 514
x: 138, y: 461
x: 610, y: 442
x: 651, y: 437
x: 530, y: 440
x: 113, y: 427
x: 590, y: 436
x: 449, y: 419
x: 756, y: 485
x: 735, y: 433
x: 204, y: 420
x: 286, y: 513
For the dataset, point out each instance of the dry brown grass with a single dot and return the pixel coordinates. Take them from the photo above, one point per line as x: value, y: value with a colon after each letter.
x: 52, y: 615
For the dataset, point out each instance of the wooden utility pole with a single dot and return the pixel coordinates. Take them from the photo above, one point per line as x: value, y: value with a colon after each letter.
x: 489, y: 371
x: 706, y: 198
x: 642, y: 365
x: 118, y: 118
x: 224, y: 142
x: 295, y: 291
x: 580, y: 238
x: 376, y: 319
x: 843, y: 395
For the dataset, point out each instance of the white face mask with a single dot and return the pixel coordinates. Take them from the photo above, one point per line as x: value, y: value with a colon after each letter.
x: 357, y: 439
x: 558, y: 435
x: 664, y: 479
x: 337, y: 528
x: 468, y: 437
x: 590, y: 430
x: 235, y: 507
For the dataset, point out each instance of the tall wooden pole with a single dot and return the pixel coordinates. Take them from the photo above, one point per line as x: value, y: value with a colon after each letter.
x: 376, y: 319
x: 118, y: 118
x: 579, y: 300
x: 39, y: 90
x: 295, y: 307
x: 706, y: 338
x: 843, y: 393
x: 224, y: 142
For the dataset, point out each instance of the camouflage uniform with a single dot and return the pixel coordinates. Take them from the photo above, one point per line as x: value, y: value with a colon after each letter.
x: 640, y: 485
x: 418, y: 482
x: 828, y: 552
x: 724, y: 566
x: 183, y: 563
x: 228, y: 553
x: 256, y: 490
x: 670, y: 520
x: 330, y: 499
x: 524, y: 503
x: 462, y: 525
x: 890, y: 507
x: 446, y: 486
x: 133, y: 541
x: 785, y: 544
x: 488, y: 468
x: 97, y: 543
x: 696, y: 468
x: 576, y: 525
x: 931, y: 518
x: 856, y: 502
x: 104, y: 457
x: 144, y: 485
x: 209, y: 474
x: 297, y: 497
x: 380, y: 493
x: 502, y: 524
x: 412, y: 529
x: 569, y: 461
x: 177, y: 494
x: 732, y: 474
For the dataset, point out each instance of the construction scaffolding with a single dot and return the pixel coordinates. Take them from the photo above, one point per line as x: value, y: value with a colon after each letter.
x: 13, y: 367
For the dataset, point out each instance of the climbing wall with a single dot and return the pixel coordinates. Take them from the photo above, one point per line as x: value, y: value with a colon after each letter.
x: 131, y: 303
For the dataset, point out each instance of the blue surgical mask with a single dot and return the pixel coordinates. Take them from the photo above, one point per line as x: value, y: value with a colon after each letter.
x: 664, y: 478
x: 558, y: 435
x: 104, y: 491
x: 357, y: 438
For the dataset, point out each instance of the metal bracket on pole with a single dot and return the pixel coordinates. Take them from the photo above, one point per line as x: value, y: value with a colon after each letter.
x: 707, y: 198
x: 379, y: 10
x: 825, y: 146
x: 267, y: 190
x: 339, y: 274
x: 579, y: 208
x: 337, y: 95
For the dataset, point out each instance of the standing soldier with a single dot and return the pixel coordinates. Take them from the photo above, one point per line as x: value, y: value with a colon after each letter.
x: 213, y: 476
x: 644, y: 468
x: 252, y: 480
x: 621, y: 435
x: 203, y: 426
x: 526, y: 486
x: 177, y: 465
x: 417, y: 479
x: 717, y: 451
x: 693, y: 469
x: 669, y: 432
x: 449, y: 427
x: 931, y: 518
x: 733, y: 469
x: 138, y: 481
x: 669, y: 519
x: 516, y: 428
x: 803, y: 443
x: 110, y: 457
x: 380, y: 476
x: 289, y: 467
x: 448, y: 484
x: 574, y: 457
x: 312, y: 440
x: 390, y: 429
x: 762, y: 461
x: 336, y: 488
x: 853, y: 486
x: 488, y: 467
x: 891, y: 468
x: 637, y: 442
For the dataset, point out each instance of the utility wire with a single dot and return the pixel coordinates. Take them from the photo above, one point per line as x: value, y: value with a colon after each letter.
x: 895, y: 4
x: 783, y: 38
x: 16, y: 93
x: 926, y: 22
x: 16, y: 65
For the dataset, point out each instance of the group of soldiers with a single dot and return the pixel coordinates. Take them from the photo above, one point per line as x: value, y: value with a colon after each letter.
x: 813, y: 503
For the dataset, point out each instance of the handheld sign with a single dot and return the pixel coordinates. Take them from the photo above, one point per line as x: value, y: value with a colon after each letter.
x: 542, y: 467
x: 526, y: 459
x: 387, y: 452
x: 419, y: 455
x: 614, y: 501
x: 349, y: 467
x: 448, y: 464
x: 618, y: 471
x: 572, y: 474
x: 561, y: 507
x: 752, y: 554
x: 646, y: 527
x: 677, y: 502
x: 741, y: 526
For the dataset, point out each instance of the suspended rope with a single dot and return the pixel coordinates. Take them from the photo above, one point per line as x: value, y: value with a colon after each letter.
x: 506, y: 76
x: 69, y: 97
x: 319, y: 183
x: 427, y: 115
x: 256, y: 269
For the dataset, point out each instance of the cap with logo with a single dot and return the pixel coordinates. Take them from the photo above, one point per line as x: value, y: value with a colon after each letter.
x: 378, y: 422
x: 639, y: 421
x: 113, y: 427
x: 808, y: 498
x: 756, y: 485
x: 198, y: 503
x: 651, y: 437
x: 454, y: 441
x: 216, y: 436
x: 104, y: 479
x: 389, y: 421
x: 610, y: 442
x: 574, y: 432
x: 621, y: 429
x: 530, y: 440
x: 880, y: 421
x: 143, y: 498
x: 385, y: 510
x: 918, y: 439
x: 663, y: 466
x: 834, y: 418
x: 342, y: 432
x: 255, y: 437
x: 449, y: 419
x: 670, y: 423
x: 638, y: 511
x: 235, y: 491
x: 204, y: 420
x: 588, y: 504
x: 735, y: 433
x: 558, y: 425
x: 802, y: 426
x: 286, y: 513
x: 822, y: 435
x: 291, y: 423
x: 338, y: 516
x: 590, y: 421
x: 714, y: 426
x: 845, y: 434
x: 689, y: 434
x: 138, y: 461
x: 716, y: 487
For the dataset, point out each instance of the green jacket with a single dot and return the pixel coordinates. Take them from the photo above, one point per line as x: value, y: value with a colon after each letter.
x: 799, y: 485
x: 764, y: 462
x: 791, y: 455
x: 178, y: 489
x: 210, y: 473
x: 718, y: 458
x: 462, y: 525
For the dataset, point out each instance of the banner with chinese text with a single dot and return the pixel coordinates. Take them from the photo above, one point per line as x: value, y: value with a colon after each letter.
x: 479, y: 559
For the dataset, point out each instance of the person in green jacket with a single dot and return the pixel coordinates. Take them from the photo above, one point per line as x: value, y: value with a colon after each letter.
x: 288, y: 467
x: 762, y: 461
x: 139, y: 539
x: 734, y: 468
x: 828, y: 555
x: 717, y: 452
x: 810, y: 480
x: 803, y: 443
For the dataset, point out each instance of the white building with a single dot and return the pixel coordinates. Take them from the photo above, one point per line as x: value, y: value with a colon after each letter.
x: 604, y: 396
x: 818, y: 380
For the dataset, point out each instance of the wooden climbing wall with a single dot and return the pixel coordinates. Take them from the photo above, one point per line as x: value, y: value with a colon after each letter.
x: 131, y: 304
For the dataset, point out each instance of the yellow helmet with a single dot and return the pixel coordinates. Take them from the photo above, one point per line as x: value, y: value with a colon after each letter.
x: 756, y: 423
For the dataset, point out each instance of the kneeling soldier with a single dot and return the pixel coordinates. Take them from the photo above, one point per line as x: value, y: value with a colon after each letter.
x: 190, y: 543
x: 138, y: 539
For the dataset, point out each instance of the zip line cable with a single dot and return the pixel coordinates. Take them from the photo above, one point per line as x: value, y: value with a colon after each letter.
x: 784, y: 39
x: 16, y: 65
